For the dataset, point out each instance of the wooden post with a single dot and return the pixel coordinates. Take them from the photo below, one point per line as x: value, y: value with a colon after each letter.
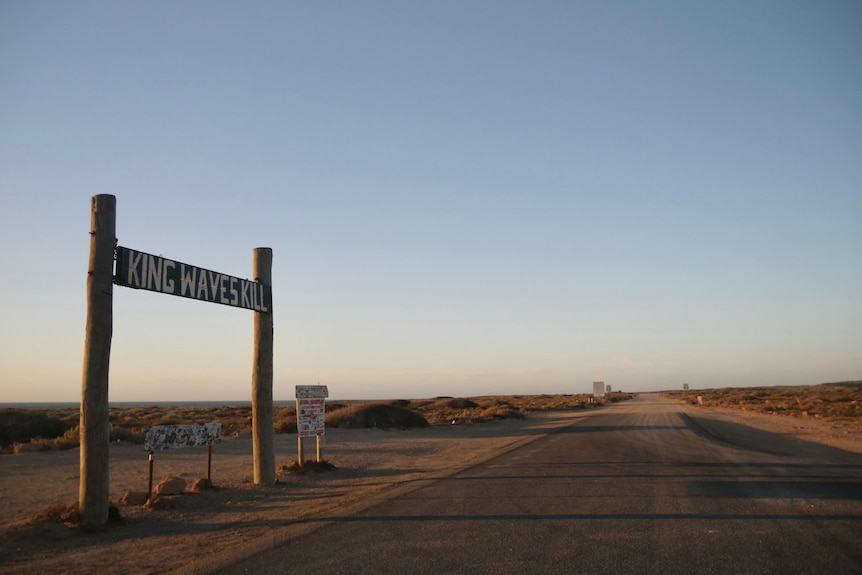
x: 319, y: 458
x: 209, y: 460
x: 262, y: 425
x: 93, y: 492
x: 298, y: 436
x: 150, y: 481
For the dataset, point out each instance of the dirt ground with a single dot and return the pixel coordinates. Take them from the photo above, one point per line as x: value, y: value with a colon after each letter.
x: 197, y: 531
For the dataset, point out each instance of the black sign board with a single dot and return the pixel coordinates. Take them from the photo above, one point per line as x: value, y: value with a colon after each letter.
x: 154, y: 273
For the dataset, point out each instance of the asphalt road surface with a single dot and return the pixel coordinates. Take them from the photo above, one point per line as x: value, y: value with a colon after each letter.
x: 637, y: 487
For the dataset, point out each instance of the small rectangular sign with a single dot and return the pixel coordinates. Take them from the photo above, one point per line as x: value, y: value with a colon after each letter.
x: 174, y: 436
x: 310, y: 391
x: 140, y: 270
x: 598, y: 389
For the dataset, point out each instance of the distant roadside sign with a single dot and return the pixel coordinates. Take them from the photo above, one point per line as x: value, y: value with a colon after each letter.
x: 310, y: 410
x: 311, y: 417
x: 311, y: 391
x: 598, y: 389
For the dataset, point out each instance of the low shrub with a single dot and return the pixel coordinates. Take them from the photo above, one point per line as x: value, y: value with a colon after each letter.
x: 454, y: 403
x: 617, y: 396
x: 499, y: 412
x: 381, y: 415
x: 69, y: 440
x: 829, y: 400
x: 20, y: 425
x: 285, y: 420
x: 129, y: 435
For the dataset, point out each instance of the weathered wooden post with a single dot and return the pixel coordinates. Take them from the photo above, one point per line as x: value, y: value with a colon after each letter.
x: 209, y: 460
x: 93, y: 490
x: 299, y: 455
x: 262, y: 425
x: 150, y: 480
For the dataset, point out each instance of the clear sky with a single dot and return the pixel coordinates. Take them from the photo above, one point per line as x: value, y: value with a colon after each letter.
x: 462, y: 198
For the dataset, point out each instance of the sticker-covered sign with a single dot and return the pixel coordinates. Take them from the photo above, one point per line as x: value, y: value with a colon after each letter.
x: 174, y: 436
x: 310, y: 417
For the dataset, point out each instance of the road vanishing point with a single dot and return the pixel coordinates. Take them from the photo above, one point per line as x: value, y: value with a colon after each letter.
x: 635, y: 487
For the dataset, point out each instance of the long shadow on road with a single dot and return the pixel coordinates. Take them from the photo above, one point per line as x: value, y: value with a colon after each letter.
x: 755, y: 439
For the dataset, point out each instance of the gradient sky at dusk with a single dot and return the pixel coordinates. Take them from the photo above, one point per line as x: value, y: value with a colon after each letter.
x: 462, y: 198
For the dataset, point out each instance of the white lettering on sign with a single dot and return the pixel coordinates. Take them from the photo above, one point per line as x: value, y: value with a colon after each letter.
x: 154, y: 273
x: 168, y: 284
x: 188, y: 285
x: 213, y: 285
x: 202, y: 286
x: 234, y: 299
x: 134, y: 279
x: 245, y: 288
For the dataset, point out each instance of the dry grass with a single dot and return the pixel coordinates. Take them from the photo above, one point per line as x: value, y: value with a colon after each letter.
x: 380, y: 414
x: 828, y: 400
x: 52, y: 429
x: 284, y: 419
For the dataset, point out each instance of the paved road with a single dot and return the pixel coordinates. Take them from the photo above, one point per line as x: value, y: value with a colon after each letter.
x: 631, y: 488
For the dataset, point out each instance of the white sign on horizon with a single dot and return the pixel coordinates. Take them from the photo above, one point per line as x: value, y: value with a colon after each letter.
x: 598, y: 389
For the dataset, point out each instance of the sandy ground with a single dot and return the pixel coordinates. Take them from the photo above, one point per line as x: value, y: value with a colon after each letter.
x: 196, y: 532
